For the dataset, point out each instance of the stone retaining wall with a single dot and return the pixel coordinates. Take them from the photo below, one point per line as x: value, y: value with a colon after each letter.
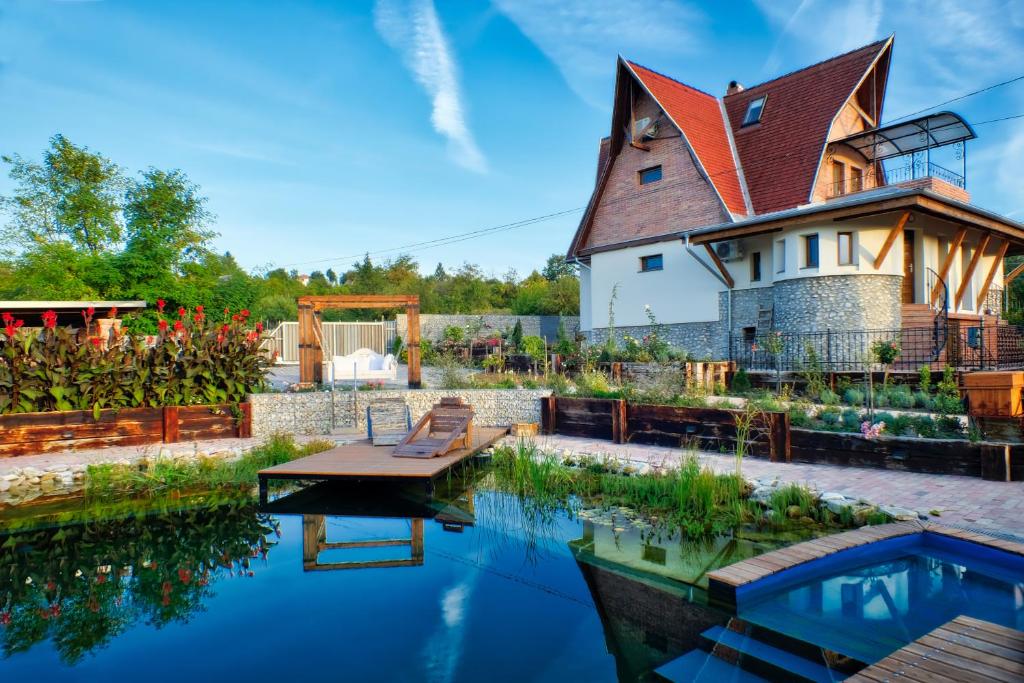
x: 700, y: 340
x: 320, y: 412
x: 432, y: 325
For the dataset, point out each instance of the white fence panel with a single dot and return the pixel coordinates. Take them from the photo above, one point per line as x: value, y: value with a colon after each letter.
x: 339, y: 339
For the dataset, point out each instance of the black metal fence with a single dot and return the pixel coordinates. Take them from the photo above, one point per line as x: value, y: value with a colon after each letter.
x: 958, y: 344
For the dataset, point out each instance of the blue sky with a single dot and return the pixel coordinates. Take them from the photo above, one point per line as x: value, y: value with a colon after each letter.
x: 321, y: 130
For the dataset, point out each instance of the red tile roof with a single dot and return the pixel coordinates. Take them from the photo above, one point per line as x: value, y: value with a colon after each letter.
x: 699, y: 115
x: 780, y: 155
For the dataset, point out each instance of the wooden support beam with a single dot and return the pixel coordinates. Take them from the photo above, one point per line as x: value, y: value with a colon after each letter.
x: 412, y: 344
x: 954, y: 248
x: 969, y: 273
x: 1012, y: 275
x: 1000, y: 254
x: 721, y: 266
x: 896, y: 231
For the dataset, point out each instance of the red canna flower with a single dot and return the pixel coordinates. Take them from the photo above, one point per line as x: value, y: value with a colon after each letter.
x: 220, y: 338
x: 91, y: 311
x: 198, y: 317
x: 199, y: 309
x: 50, y: 320
x: 96, y: 341
x: 165, y: 601
x: 5, y: 618
x: 162, y: 325
x: 165, y: 587
x: 184, y: 575
x: 224, y: 328
x: 227, y: 310
x: 10, y: 329
x: 178, y: 326
x: 7, y: 317
x: 181, y: 312
x: 259, y: 327
x: 101, y: 578
x: 236, y: 318
x: 113, y: 312
x: 160, y: 303
x: 245, y: 313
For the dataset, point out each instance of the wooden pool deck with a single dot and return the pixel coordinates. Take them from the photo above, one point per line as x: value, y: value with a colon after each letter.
x: 364, y: 461
x: 965, y: 650
x: 725, y: 582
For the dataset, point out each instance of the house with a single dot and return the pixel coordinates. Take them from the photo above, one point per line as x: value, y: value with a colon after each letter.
x: 789, y: 207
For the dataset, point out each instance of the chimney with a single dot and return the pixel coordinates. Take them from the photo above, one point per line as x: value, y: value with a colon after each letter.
x: 734, y: 87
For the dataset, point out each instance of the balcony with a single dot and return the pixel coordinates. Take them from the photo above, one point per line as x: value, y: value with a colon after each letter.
x: 906, y: 153
x: 915, y: 172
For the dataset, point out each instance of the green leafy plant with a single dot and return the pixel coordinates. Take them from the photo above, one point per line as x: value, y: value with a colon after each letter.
x: 534, y: 347
x: 741, y: 382
x: 191, y: 361
x: 885, y: 352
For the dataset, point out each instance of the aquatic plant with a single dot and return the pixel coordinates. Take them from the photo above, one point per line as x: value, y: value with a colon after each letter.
x: 165, y: 474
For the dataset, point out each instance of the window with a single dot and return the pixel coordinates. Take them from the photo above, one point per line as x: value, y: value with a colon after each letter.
x: 856, y: 179
x: 810, y: 251
x: 755, y: 267
x: 845, y: 244
x: 650, y: 175
x: 838, y: 178
x: 780, y: 256
x: 652, y: 262
x: 754, y: 110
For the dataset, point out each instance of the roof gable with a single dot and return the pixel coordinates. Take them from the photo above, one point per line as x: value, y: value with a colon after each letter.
x: 699, y: 116
x: 781, y: 154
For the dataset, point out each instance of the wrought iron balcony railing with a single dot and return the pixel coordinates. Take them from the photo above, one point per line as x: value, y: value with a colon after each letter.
x: 869, y: 180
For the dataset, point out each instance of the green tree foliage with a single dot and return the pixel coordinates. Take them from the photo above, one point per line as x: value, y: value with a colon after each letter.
x: 77, y: 228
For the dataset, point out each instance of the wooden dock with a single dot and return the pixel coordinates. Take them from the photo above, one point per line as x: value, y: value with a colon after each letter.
x: 364, y: 461
x: 965, y: 650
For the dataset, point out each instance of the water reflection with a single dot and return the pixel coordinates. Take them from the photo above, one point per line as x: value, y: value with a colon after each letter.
x: 82, y: 584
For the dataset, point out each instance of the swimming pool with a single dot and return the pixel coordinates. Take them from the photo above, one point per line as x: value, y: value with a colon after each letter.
x: 868, y: 601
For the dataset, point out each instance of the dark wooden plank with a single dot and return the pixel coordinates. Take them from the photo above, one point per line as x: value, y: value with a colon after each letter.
x: 936, y: 456
x: 170, y: 424
x: 16, y: 449
x: 245, y: 424
x: 75, y: 417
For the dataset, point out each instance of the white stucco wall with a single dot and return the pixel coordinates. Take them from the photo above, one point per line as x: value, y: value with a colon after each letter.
x: 682, y: 292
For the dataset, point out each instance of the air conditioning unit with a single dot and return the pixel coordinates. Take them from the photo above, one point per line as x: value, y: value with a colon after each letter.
x: 729, y: 251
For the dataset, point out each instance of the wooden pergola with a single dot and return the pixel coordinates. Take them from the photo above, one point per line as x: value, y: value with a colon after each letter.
x: 311, y: 347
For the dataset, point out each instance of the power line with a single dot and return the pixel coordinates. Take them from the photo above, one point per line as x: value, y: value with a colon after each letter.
x: 483, y: 232
x: 960, y: 97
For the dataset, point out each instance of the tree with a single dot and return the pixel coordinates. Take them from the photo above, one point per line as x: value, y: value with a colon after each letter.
x: 165, y: 221
x: 72, y: 196
x: 332, y: 277
x: 557, y: 267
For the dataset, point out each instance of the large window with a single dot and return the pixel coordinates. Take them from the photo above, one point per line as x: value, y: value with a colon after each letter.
x: 652, y: 262
x: 845, y: 245
x: 650, y: 175
x: 754, y: 111
x: 811, y: 251
x: 780, y: 256
x: 755, y: 267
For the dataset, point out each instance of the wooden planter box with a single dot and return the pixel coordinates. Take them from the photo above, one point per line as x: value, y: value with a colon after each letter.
x: 995, y: 394
x: 997, y: 462
x: 617, y: 421
x: 31, y: 433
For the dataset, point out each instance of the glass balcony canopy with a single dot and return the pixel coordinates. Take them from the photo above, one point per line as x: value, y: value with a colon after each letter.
x: 917, y: 135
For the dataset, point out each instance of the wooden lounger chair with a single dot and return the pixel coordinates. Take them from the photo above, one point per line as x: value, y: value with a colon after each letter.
x: 388, y: 420
x: 448, y: 425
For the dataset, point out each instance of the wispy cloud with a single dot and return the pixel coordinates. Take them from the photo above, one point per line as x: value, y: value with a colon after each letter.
x: 582, y: 37
x: 413, y: 29
x: 243, y: 152
x: 828, y: 26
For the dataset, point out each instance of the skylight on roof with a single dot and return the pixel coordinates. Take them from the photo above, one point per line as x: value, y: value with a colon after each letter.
x: 754, y: 110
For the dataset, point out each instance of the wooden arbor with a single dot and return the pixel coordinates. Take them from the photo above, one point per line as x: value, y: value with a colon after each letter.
x: 311, y: 347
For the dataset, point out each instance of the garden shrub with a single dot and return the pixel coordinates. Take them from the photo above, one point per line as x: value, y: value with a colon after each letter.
x: 853, y: 397
x: 534, y: 347
x: 923, y: 400
x: 948, y: 400
x: 881, y: 398
x: 888, y: 418
x: 741, y: 382
x: 593, y: 383
x: 830, y: 415
x: 829, y: 397
x: 901, y: 397
x: 924, y: 374
x: 851, y: 419
x: 193, y: 361
x: 454, y: 333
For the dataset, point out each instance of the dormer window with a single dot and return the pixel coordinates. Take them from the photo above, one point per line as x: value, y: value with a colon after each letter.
x: 754, y: 110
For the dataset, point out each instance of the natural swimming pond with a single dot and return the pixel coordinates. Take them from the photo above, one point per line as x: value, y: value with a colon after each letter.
x: 366, y: 583
x: 354, y: 583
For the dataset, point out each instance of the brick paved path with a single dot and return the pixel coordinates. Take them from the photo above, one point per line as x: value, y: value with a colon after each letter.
x: 967, y: 501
